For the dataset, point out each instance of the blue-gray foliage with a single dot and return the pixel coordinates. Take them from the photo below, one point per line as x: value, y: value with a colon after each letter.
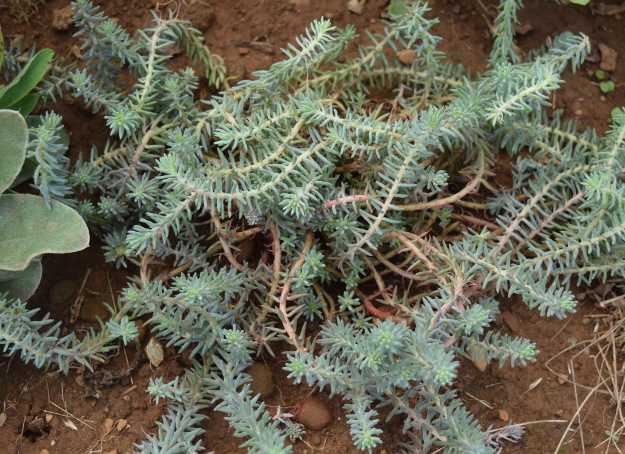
x: 347, y: 198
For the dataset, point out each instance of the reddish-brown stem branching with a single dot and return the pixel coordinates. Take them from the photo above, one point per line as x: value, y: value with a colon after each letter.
x: 342, y: 200
x: 243, y: 234
x: 550, y: 218
x: 226, y: 246
x: 287, y: 287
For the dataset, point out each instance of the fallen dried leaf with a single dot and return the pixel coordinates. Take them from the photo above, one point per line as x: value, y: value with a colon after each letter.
x: 608, y: 58
x: 261, y: 46
x: 535, y: 383
x: 70, y: 424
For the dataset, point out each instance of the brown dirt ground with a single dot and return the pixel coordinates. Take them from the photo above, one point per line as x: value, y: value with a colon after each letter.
x: 28, y: 394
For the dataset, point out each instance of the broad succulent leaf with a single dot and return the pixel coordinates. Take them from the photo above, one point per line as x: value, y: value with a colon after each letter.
x: 28, y: 229
x: 21, y: 284
x: 13, y: 141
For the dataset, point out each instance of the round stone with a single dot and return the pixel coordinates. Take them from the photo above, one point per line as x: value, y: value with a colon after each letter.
x: 314, y: 414
x: 262, y: 380
x: 511, y: 320
x: 62, y: 291
x: 92, y: 309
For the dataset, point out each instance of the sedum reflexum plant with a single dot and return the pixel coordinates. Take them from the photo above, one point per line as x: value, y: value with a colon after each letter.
x: 369, y: 217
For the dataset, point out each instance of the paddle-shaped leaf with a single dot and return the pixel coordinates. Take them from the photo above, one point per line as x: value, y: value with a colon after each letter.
x: 28, y: 229
x: 13, y: 142
x: 21, y: 284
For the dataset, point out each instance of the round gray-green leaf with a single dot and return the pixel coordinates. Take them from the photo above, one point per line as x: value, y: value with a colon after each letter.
x: 13, y: 142
x: 28, y: 229
x: 21, y: 284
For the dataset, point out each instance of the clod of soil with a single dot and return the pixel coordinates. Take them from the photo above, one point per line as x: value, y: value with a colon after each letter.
x: 511, y: 320
x: 262, y: 380
x: 314, y: 414
x: 142, y: 329
x: 62, y: 291
x: 62, y: 18
x: 35, y: 426
x: 91, y: 310
x: 200, y: 14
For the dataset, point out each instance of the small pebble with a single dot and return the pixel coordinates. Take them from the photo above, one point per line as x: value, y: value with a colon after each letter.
x: 511, y: 320
x: 406, y: 56
x: 108, y: 425
x: 154, y: 352
x: 314, y: 414
x: 92, y: 309
x: 559, y: 413
x: 316, y: 440
x: 561, y: 380
x: 585, y: 321
x: 49, y: 418
x: 262, y: 381
x: 121, y: 424
x: 44, y: 451
x: 243, y: 50
x: 578, y: 112
x: 503, y: 415
x: 603, y: 99
x: 480, y: 362
x: 475, y: 409
x: 114, y: 451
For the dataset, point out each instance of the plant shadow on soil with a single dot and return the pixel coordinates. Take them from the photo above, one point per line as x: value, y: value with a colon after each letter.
x: 40, y: 405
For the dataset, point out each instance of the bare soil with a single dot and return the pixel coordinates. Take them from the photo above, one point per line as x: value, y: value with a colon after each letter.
x: 42, y: 406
